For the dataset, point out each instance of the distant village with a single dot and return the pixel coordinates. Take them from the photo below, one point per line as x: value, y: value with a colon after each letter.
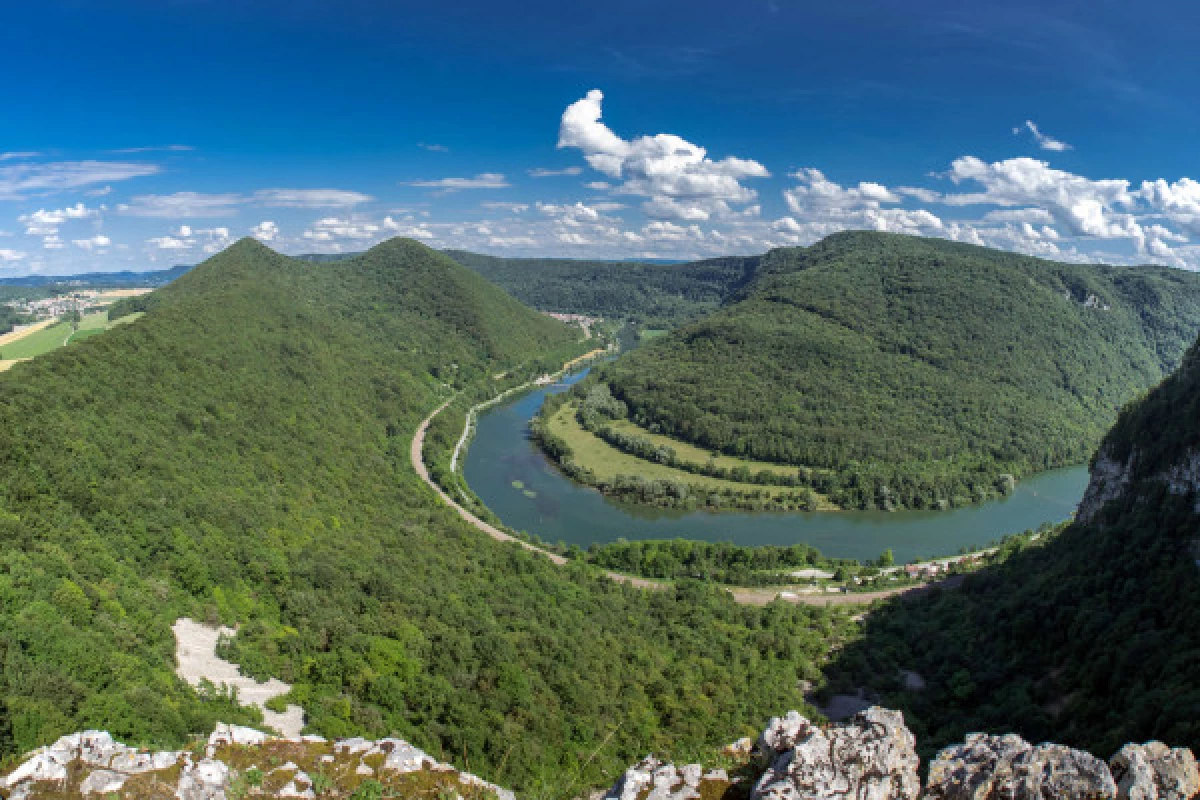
x: 61, y: 304
x: 81, y: 300
x: 582, y: 320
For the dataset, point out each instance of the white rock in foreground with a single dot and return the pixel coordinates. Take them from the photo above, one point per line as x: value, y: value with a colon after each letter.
x: 652, y: 779
x: 92, y: 764
x: 1009, y: 768
x: 872, y: 757
x: 1153, y: 771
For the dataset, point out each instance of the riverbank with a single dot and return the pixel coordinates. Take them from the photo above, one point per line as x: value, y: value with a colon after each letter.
x: 418, y: 462
x: 512, y: 484
x: 744, y: 596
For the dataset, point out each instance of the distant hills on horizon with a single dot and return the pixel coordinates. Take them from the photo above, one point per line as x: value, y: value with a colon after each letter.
x: 162, y: 277
x: 714, y: 282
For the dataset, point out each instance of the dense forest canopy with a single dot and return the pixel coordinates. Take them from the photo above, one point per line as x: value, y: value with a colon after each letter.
x: 651, y: 294
x: 921, y: 371
x: 240, y: 454
x: 1092, y: 639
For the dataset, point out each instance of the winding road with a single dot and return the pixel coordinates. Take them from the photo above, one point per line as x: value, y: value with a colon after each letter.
x: 752, y: 597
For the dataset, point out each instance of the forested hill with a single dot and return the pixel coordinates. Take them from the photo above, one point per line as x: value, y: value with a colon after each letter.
x: 1092, y: 638
x: 240, y: 454
x: 921, y: 371
x: 653, y: 294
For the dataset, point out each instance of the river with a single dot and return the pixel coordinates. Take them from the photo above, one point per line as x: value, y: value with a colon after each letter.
x: 554, y: 508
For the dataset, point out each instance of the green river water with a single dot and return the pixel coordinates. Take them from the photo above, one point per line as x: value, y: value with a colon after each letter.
x: 545, y: 503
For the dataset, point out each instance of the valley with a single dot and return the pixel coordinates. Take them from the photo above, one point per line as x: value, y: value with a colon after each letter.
x: 636, y: 401
x: 501, y: 452
x: 468, y: 369
x: 239, y: 455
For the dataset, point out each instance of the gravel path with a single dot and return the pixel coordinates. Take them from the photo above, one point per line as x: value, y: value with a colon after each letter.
x: 196, y: 656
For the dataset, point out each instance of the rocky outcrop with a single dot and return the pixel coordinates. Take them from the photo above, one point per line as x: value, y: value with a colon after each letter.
x: 873, y: 757
x: 240, y: 762
x: 1153, y: 771
x: 1109, y: 479
x: 1009, y: 768
x: 652, y: 779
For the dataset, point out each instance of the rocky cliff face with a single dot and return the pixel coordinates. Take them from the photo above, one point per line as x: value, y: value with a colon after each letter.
x: 872, y: 757
x: 1110, y: 478
x: 1154, y: 441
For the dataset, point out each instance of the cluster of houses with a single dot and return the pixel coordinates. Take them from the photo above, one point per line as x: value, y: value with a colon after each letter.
x: 582, y: 320
x: 60, y: 304
x: 933, y: 569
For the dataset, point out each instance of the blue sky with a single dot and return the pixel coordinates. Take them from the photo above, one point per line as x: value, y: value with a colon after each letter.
x: 137, y: 135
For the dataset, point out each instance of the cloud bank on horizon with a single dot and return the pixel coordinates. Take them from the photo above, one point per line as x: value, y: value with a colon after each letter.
x: 628, y: 196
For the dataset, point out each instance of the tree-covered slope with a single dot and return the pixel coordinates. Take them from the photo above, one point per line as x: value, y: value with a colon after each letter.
x: 920, y: 370
x: 1092, y: 638
x: 240, y: 454
x: 656, y: 295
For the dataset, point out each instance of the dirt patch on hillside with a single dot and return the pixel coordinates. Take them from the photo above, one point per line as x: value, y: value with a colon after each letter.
x: 196, y: 658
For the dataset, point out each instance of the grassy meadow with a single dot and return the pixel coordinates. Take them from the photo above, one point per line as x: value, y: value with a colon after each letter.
x: 607, y: 461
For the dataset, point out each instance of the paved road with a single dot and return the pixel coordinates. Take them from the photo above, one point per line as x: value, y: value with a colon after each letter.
x: 418, y: 462
x: 760, y: 597
x: 753, y: 597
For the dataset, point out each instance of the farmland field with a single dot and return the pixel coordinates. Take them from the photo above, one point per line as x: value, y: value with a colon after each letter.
x: 58, y: 335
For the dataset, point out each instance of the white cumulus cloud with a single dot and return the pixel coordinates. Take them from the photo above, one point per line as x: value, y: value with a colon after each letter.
x: 96, y: 242
x: 45, y: 222
x: 678, y: 177
x: 265, y: 231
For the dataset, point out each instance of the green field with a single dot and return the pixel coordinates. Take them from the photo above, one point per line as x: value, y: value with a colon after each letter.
x: 60, y: 334
x: 607, y: 461
x: 38, y: 342
x: 698, y: 455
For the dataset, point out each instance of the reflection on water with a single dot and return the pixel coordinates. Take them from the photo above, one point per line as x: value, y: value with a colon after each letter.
x: 502, y: 453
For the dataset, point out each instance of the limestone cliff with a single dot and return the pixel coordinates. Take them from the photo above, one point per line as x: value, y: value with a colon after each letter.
x: 1154, y: 445
x: 871, y: 757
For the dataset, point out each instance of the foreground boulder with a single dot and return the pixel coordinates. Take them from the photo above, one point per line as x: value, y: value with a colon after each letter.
x: 1153, y: 771
x: 872, y: 757
x: 1009, y: 768
x: 240, y: 762
x: 652, y: 779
